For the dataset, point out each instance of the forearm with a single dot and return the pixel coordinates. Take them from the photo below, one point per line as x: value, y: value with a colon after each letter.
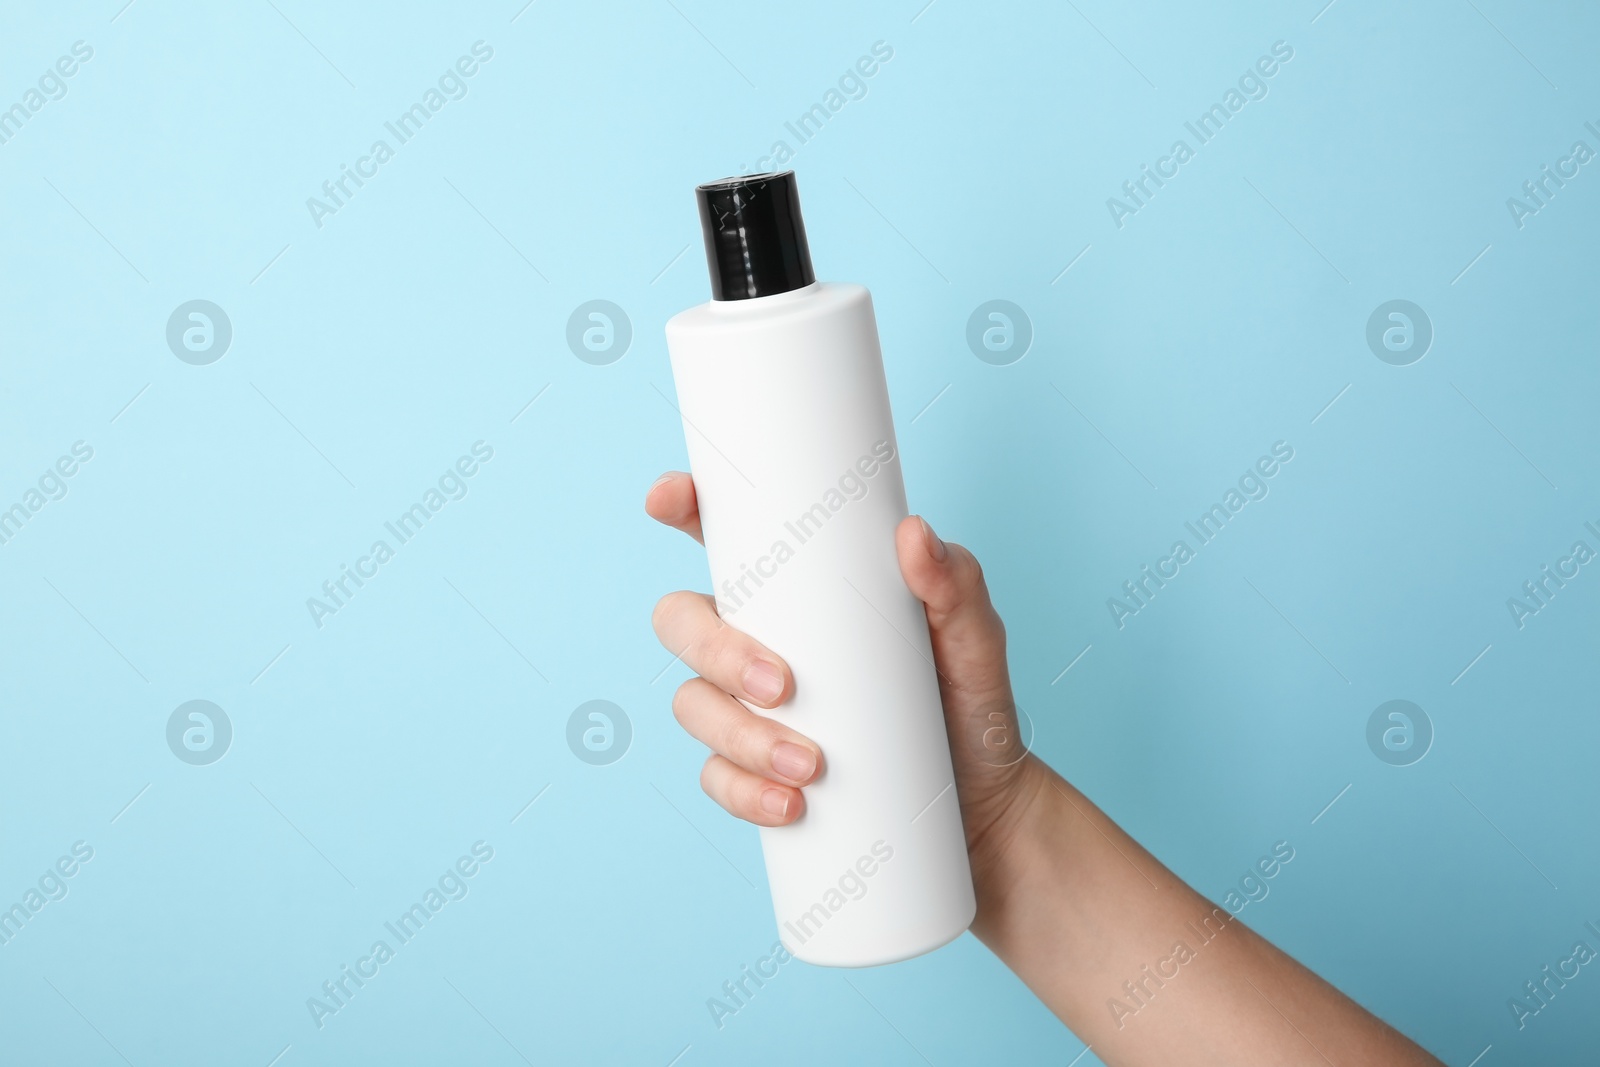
x: 1139, y: 965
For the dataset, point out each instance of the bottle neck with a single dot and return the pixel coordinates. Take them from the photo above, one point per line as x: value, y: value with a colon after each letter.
x: 760, y: 304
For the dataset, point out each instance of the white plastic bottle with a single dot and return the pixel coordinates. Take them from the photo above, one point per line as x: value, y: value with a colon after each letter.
x: 791, y: 442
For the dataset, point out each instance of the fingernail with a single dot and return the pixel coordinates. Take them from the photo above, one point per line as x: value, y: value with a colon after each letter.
x: 936, y: 547
x: 658, y: 482
x: 763, y: 682
x: 775, y: 802
x: 793, y: 761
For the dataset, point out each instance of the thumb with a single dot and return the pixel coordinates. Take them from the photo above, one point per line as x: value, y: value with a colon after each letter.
x: 969, y: 640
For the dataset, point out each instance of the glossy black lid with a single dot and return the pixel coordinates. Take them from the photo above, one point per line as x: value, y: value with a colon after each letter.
x: 755, y: 237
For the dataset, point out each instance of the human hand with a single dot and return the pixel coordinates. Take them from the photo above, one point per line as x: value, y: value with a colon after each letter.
x: 758, y: 765
x: 1066, y: 898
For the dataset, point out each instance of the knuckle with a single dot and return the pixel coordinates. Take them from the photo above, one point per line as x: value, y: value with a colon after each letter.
x: 710, y: 779
x: 727, y: 788
x: 747, y: 735
x: 750, y: 797
x: 683, y: 610
x: 999, y: 627
x: 664, y: 613
x: 730, y: 652
x: 681, y: 700
x: 973, y: 581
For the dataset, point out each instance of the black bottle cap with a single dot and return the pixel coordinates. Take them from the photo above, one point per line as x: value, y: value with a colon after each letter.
x: 755, y: 238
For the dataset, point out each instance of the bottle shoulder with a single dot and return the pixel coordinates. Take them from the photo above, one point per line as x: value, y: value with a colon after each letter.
x: 818, y: 299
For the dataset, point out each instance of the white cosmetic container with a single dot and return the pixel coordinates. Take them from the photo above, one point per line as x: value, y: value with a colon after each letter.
x: 791, y: 443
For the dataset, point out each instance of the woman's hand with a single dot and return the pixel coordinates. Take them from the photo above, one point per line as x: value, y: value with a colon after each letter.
x: 758, y: 766
x: 1066, y: 898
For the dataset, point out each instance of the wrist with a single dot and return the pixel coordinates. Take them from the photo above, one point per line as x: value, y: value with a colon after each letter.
x: 1000, y: 838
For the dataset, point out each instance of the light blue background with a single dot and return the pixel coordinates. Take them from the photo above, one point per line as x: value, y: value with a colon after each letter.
x: 427, y: 313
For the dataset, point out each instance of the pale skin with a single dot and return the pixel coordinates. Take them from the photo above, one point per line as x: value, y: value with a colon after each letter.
x: 1066, y: 899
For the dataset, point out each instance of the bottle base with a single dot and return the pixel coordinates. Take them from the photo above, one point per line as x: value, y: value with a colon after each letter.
x: 876, y: 956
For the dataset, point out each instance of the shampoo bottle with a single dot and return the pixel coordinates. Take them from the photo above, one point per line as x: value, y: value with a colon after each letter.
x: 791, y: 443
